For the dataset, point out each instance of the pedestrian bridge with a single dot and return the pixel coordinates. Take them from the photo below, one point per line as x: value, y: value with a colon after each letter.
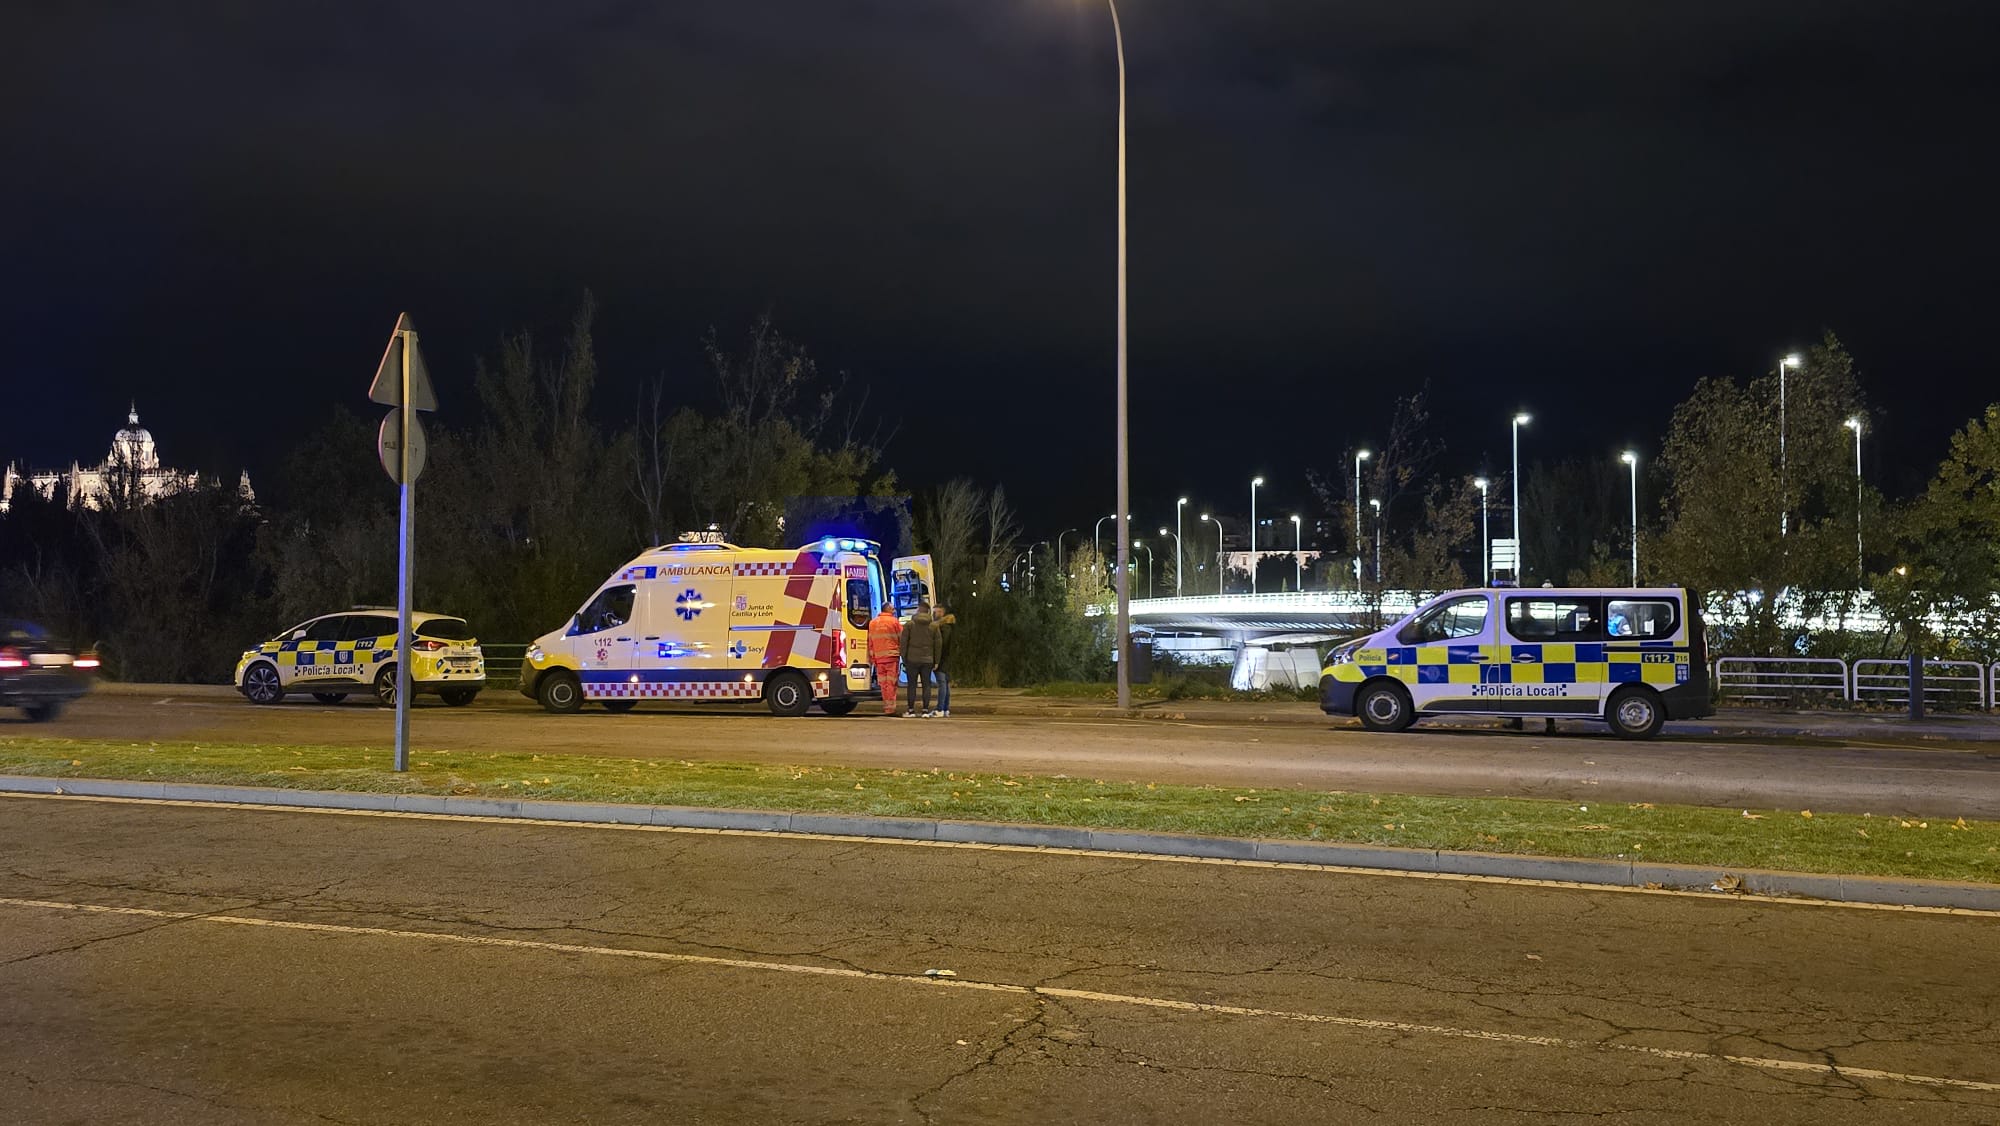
x: 1325, y: 612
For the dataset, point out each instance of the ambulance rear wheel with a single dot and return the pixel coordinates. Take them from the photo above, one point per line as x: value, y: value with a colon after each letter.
x: 329, y: 697
x: 787, y: 694
x: 1385, y: 706
x: 559, y: 692
x: 261, y: 684
x: 1634, y: 713
x: 620, y: 707
x: 837, y: 707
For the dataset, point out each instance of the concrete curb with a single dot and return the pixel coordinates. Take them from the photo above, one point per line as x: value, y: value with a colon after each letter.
x: 1606, y: 873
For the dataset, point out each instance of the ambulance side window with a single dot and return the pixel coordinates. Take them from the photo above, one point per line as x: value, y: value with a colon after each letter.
x: 611, y: 608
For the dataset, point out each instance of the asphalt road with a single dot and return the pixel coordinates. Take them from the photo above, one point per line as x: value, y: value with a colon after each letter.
x: 1241, y: 747
x: 216, y: 966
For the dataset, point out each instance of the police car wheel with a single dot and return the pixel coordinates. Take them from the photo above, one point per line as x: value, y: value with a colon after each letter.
x: 261, y: 684
x: 1384, y: 707
x: 329, y: 697
x: 787, y: 694
x: 837, y: 707
x: 620, y: 707
x: 559, y: 692
x: 1634, y: 713
x: 385, y: 686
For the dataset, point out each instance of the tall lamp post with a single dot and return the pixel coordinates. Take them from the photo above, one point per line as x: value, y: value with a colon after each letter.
x: 1059, y: 549
x: 1359, y: 457
x: 1298, y: 555
x: 1631, y: 459
x: 1221, y: 569
x: 1520, y: 557
x: 1097, y: 534
x: 1254, y: 482
x: 1148, y: 549
x: 1485, y: 536
x: 1854, y: 424
x: 1784, y: 483
x: 1376, y: 504
x: 1180, y: 564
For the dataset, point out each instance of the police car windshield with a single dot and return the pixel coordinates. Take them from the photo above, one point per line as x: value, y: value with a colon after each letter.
x: 445, y: 629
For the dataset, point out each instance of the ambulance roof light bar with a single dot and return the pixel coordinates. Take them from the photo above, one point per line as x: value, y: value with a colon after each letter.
x: 830, y: 544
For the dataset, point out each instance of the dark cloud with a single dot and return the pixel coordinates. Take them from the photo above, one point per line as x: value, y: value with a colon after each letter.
x: 220, y: 208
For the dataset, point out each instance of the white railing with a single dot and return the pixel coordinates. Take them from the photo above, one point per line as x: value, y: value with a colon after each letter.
x: 1781, y: 678
x: 1946, y: 682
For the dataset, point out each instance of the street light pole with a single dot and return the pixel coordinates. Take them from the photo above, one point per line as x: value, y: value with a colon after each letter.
x: 1359, y: 457
x: 1632, y: 459
x: 1485, y: 536
x: 1784, y: 482
x: 1148, y: 549
x: 1376, y: 504
x: 1520, y: 556
x: 1860, y: 572
x: 1180, y: 563
x: 1254, y: 482
x: 1220, y: 568
x: 1298, y: 556
x: 1059, y: 550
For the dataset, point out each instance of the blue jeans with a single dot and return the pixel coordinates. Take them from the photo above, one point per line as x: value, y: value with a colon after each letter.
x: 944, y: 690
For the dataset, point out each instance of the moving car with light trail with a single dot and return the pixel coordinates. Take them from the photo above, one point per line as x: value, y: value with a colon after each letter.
x: 336, y: 654
x: 38, y: 674
x: 1633, y: 658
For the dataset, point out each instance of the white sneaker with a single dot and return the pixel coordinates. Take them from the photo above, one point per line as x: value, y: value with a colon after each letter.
x: 932, y: 715
x: 945, y: 714
x: 909, y: 715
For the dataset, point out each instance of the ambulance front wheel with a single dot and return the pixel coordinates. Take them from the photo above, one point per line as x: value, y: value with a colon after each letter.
x: 619, y: 707
x: 838, y: 707
x: 1634, y: 713
x: 1385, y: 706
x: 787, y: 694
x: 559, y: 692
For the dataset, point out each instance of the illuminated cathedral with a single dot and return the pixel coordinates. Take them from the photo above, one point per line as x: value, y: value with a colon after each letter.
x: 131, y: 474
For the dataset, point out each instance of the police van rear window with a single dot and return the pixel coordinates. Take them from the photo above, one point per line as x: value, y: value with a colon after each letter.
x: 445, y: 629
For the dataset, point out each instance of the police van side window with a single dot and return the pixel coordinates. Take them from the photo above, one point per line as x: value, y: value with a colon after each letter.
x: 1642, y: 619
x: 611, y: 608
x: 1451, y: 621
x: 1561, y: 620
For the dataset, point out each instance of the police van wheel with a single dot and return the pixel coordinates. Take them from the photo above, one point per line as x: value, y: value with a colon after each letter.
x: 559, y: 692
x: 329, y: 697
x: 787, y: 694
x: 1385, y: 707
x: 620, y: 707
x: 837, y: 707
x: 261, y: 684
x: 1634, y: 713
x: 385, y: 686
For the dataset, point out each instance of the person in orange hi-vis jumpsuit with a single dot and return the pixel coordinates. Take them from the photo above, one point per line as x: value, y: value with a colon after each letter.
x: 885, y: 639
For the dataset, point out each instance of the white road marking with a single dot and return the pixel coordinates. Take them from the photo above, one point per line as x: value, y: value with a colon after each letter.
x: 1041, y: 850
x: 1402, y: 1028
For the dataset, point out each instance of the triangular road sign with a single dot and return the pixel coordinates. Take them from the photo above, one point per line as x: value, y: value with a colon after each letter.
x: 388, y: 385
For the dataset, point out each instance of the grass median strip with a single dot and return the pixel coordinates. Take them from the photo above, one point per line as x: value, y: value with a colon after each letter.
x: 1790, y: 840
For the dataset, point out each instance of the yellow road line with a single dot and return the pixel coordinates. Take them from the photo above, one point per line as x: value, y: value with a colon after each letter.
x: 1400, y: 1028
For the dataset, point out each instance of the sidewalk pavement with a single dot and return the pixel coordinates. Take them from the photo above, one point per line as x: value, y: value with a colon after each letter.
x: 1560, y: 870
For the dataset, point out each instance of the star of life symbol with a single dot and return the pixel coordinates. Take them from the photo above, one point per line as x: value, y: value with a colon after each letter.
x: 688, y: 604
x: 738, y: 649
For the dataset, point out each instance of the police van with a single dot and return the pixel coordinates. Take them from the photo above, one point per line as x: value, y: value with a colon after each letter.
x: 1632, y: 657
x: 713, y: 621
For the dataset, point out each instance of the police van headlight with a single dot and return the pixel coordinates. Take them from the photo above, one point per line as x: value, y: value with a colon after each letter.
x: 1343, y: 654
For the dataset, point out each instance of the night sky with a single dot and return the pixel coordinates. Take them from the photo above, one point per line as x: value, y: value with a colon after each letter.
x: 1579, y: 208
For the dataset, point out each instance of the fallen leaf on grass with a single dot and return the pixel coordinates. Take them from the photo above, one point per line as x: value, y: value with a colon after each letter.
x: 1806, y: 813
x: 1534, y: 957
x: 1961, y: 826
x: 1653, y: 885
x: 1915, y: 824
x: 859, y: 786
x: 1593, y: 828
x: 941, y: 973
x: 1860, y: 832
x: 1640, y: 805
x: 76, y: 762
x: 1010, y: 782
x: 1749, y: 816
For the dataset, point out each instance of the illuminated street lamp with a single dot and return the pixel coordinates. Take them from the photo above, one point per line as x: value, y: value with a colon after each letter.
x: 1359, y: 457
x: 1097, y: 533
x: 1179, y: 563
x: 1254, y: 482
x: 1298, y: 555
x: 1632, y: 459
x: 1520, y: 557
x: 1854, y: 424
x: 1147, y: 548
x: 1220, y: 567
x: 1784, y: 484
x: 1485, y: 536
x: 1377, y: 506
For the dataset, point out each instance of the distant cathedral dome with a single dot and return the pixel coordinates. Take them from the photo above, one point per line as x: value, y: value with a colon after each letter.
x: 132, y: 447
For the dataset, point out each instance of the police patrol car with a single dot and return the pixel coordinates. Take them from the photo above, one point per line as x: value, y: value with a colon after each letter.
x: 1631, y: 657
x: 335, y: 654
x: 713, y: 621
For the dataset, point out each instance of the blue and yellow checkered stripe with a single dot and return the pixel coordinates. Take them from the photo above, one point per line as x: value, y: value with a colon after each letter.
x: 332, y: 654
x: 1648, y: 662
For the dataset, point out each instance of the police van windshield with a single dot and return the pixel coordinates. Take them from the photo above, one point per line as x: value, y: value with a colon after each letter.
x: 1450, y: 620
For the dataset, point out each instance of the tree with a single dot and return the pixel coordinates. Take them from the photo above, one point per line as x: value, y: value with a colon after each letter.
x: 1949, y: 542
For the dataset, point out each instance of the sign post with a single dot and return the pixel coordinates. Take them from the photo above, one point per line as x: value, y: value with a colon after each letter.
x: 402, y: 382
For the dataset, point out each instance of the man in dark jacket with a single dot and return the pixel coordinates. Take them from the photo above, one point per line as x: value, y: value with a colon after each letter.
x: 920, y: 653
x: 943, y: 620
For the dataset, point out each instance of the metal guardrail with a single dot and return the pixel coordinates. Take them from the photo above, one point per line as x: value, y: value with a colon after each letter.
x: 1945, y: 682
x: 503, y: 662
x: 1782, y: 678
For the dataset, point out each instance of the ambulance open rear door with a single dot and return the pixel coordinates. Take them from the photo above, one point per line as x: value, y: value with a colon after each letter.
x: 911, y: 580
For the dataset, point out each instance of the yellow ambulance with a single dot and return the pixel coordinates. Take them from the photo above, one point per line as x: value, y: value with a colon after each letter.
x: 713, y: 621
x: 1631, y: 657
